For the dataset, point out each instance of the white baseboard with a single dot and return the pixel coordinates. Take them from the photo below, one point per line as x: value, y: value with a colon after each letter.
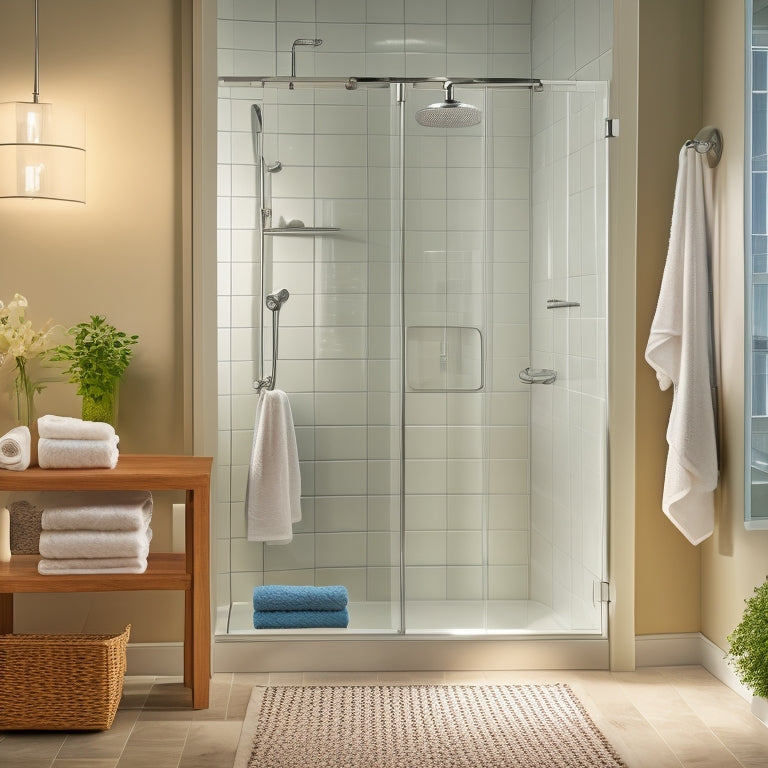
x: 688, y: 648
x: 668, y: 650
x: 400, y: 654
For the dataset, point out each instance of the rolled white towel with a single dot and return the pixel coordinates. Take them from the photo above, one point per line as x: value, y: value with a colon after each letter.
x: 46, y: 566
x: 62, y: 545
x: 98, y: 511
x: 15, y: 449
x: 77, y: 454
x: 70, y: 428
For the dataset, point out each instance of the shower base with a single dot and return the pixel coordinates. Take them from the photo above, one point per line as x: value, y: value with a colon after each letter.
x: 460, y: 617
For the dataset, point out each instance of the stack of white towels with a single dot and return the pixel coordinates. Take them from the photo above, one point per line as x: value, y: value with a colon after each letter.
x: 70, y: 443
x: 96, y: 532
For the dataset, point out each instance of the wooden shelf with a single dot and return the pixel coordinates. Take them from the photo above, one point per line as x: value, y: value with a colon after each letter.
x: 188, y: 571
x: 165, y: 570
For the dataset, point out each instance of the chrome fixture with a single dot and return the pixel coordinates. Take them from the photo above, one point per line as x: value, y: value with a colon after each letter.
x: 708, y: 141
x: 257, y: 125
x: 313, y: 42
x: 42, y: 149
x: 352, y: 83
x: 538, y: 375
x: 558, y: 303
x: 448, y: 113
x: 274, y: 302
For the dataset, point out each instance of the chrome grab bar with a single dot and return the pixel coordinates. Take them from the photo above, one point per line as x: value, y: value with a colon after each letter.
x: 538, y: 375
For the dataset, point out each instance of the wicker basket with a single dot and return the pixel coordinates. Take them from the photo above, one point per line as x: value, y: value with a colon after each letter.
x: 61, y: 682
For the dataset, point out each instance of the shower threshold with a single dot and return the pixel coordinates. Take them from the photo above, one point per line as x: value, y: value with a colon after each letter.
x: 458, y: 617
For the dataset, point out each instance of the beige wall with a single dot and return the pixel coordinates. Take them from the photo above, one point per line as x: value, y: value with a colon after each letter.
x: 734, y: 560
x: 692, y: 76
x: 667, y: 567
x: 120, y: 255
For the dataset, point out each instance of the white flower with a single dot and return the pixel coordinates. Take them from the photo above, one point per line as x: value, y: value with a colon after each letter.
x: 17, y: 337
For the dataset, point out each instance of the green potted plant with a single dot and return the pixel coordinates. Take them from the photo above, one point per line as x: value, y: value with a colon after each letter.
x: 748, y: 649
x: 98, y: 358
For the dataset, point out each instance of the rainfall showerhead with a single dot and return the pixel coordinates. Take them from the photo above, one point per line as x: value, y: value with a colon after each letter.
x: 448, y: 113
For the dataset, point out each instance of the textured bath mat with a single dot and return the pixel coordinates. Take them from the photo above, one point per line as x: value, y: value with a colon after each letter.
x: 425, y: 726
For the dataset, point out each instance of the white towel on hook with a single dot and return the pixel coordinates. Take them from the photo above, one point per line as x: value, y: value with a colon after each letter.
x: 273, y: 493
x: 678, y: 349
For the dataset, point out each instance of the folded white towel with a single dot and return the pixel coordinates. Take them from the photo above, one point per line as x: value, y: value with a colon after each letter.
x: 70, y: 428
x: 15, y: 449
x: 47, y: 566
x: 60, y: 545
x: 98, y: 511
x: 273, y: 493
x: 678, y: 349
x: 77, y: 454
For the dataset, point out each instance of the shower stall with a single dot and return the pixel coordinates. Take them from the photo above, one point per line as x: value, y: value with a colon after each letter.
x: 442, y: 341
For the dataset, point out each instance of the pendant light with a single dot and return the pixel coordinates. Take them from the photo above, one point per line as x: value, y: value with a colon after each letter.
x: 42, y: 147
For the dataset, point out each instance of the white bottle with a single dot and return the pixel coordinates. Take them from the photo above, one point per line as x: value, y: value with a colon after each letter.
x: 5, y: 536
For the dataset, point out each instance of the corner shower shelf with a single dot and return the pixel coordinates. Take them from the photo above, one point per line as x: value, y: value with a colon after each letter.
x: 300, y: 230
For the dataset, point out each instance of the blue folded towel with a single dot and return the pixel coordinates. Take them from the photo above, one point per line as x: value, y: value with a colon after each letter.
x: 283, y: 597
x: 299, y: 619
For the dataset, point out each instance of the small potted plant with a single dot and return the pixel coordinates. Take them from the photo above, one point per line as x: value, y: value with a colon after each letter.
x: 748, y: 649
x: 98, y: 358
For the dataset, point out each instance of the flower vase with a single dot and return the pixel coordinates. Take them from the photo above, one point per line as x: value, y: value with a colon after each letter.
x: 102, y: 409
x: 24, y: 390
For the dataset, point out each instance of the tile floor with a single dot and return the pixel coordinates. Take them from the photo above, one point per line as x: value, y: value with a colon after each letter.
x: 664, y: 717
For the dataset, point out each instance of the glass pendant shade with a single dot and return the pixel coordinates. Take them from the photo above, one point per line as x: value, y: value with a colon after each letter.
x: 42, y: 151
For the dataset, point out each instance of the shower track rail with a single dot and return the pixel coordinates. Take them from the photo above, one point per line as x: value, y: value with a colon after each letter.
x: 352, y: 83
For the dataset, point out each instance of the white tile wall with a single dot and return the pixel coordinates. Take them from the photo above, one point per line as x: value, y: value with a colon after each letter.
x: 467, y: 486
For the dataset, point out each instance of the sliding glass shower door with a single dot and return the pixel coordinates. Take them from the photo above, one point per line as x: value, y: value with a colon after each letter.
x: 446, y: 494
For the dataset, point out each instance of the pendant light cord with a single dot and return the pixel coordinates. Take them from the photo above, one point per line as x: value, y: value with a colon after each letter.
x: 36, y: 87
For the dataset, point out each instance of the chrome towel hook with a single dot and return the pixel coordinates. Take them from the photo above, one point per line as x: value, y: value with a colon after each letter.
x: 708, y: 141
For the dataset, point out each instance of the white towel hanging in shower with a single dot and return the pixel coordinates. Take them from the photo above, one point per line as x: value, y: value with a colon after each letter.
x: 273, y: 493
x: 679, y: 350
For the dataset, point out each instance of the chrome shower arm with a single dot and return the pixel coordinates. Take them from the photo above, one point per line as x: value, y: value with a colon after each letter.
x: 301, y: 41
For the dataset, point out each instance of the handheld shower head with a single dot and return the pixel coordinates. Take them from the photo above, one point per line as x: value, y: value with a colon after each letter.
x: 257, y: 124
x: 448, y: 113
x: 307, y: 41
x: 275, y: 300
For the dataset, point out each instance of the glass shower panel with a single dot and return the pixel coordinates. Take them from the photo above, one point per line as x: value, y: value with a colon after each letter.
x: 330, y: 239
x: 568, y: 429
x: 446, y: 317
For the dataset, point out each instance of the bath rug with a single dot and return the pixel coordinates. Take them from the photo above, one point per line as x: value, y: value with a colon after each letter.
x: 421, y: 726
